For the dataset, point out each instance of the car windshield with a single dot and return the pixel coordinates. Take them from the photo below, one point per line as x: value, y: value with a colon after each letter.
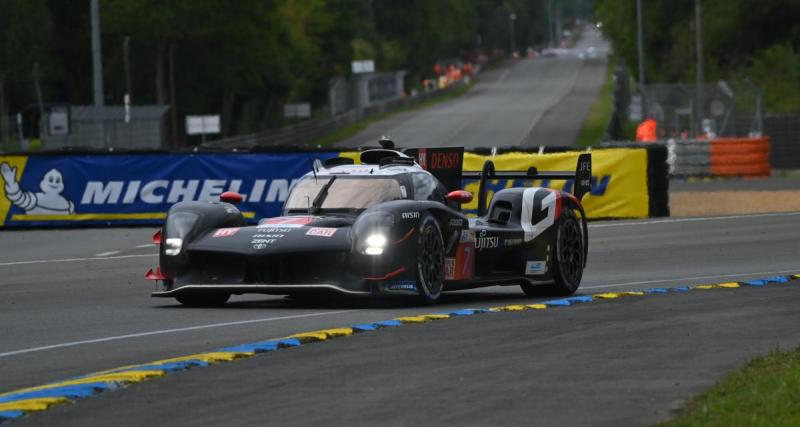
x: 344, y: 192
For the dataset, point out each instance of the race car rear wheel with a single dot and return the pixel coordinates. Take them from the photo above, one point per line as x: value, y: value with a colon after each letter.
x: 569, y: 254
x: 430, y: 260
x: 203, y: 300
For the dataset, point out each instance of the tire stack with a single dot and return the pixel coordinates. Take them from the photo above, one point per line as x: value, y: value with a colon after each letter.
x: 740, y: 157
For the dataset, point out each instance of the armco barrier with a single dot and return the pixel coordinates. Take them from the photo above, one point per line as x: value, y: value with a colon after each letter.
x: 58, y: 190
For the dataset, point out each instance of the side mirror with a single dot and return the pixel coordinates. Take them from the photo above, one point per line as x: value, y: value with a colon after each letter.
x: 459, y: 196
x: 231, y: 197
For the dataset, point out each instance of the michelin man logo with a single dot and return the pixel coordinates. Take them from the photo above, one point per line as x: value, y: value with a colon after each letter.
x: 49, y: 201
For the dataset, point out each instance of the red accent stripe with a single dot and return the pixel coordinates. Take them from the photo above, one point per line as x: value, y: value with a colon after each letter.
x: 410, y: 232
x: 558, y: 205
x: 157, y: 237
x: 388, y: 275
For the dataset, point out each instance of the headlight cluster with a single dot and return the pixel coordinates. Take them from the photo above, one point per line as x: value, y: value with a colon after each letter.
x: 375, y: 244
x: 172, y: 246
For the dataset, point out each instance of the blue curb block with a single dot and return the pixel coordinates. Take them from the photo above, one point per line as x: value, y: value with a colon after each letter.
x: 755, y: 283
x: 364, y: 327
x: 264, y: 346
x: 656, y: 291
x: 463, y: 312
x: 681, y: 289
x: 777, y: 279
x: 580, y: 299
x: 389, y: 323
x: 71, y: 392
x: 558, y: 303
x: 9, y: 415
x: 169, y: 367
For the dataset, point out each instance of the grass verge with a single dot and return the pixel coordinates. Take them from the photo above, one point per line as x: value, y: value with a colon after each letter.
x: 594, y: 127
x: 766, y: 392
x: 352, y: 129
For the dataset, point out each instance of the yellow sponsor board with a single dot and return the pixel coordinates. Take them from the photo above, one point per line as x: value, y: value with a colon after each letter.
x: 619, y: 178
x: 9, y: 165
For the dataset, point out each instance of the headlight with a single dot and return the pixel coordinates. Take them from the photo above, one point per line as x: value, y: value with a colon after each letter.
x: 375, y: 244
x: 172, y: 246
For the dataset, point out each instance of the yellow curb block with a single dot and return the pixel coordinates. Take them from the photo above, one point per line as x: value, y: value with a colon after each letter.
x: 509, y: 308
x: 632, y: 293
x: 730, y: 285
x: 536, y: 306
x: 210, y: 357
x: 607, y: 295
x: 705, y: 286
x: 27, y: 405
x: 796, y: 276
x: 307, y: 337
x: 413, y: 319
x: 437, y: 316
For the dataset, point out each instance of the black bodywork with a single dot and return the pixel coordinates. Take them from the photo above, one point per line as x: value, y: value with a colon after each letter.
x: 319, y: 250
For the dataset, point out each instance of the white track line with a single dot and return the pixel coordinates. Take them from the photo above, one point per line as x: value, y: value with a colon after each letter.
x: 147, y: 245
x: 684, y: 279
x: 106, y: 254
x: 678, y: 220
x: 47, y: 261
x: 168, y: 331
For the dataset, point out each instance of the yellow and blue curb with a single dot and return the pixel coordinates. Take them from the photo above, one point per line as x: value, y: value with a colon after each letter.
x: 17, y: 403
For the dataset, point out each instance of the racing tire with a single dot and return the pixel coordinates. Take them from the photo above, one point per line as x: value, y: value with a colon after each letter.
x: 203, y: 300
x: 430, y: 261
x: 568, y: 254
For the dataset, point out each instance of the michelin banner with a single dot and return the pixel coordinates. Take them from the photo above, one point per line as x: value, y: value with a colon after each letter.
x: 61, y: 191
x: 139, y: 189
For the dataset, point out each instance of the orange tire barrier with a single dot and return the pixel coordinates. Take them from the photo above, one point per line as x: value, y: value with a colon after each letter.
x: 740, y: 157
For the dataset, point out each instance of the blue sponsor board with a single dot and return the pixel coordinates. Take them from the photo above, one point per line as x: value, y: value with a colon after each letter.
x: 139, y: 188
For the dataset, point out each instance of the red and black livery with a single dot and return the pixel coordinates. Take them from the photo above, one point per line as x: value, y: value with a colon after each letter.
x: 391, y: 225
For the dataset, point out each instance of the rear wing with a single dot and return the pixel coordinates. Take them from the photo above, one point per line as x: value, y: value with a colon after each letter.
x: 582, y: 177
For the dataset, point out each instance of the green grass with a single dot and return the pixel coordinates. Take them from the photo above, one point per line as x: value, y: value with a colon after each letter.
x: 594, y: 128
x: 766, y: 392
x: 352, y: 129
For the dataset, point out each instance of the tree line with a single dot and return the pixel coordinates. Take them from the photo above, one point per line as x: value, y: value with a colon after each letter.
x: 756, y: 39
x: 244, y: 59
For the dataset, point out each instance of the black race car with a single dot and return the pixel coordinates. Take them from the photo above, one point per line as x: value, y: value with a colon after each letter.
x: 391, y: 225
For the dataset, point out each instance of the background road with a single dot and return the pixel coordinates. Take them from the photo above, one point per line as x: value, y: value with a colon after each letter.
x: 68, y: 312
x: 543, y: 101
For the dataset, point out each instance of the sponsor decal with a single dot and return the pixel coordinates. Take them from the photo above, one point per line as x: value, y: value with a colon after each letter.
x: 456, y: 222
x: 270, y: 229
x: 225, y: 232
x: 449, y: 268
x: 286, y: 222
x: 402, y: 285
x: 410, y: 215
x: 535, y: 268
x: 467, y: 236
x: 512, y: 242
x: 445, y: 160
x: 423, y: 158
x: 403, y: 191
x: 486, y: 242
x: 321, y: 231
x: 267, y: 241
x: 259, y: 246
x: 268, y: 236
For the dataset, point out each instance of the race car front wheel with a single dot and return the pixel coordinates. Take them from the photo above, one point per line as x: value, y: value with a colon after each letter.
x: 203, y: 300
x: 430, y: 260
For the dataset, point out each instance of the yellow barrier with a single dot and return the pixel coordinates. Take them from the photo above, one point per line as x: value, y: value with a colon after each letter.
x: 619, y: 178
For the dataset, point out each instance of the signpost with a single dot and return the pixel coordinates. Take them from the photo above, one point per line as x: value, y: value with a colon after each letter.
x: 363, y: 66
x: 302, y: 110
x: 202, y: 125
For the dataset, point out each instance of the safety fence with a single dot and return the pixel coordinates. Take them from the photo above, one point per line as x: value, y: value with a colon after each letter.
x: 744, y: 157
x: 92, y: 189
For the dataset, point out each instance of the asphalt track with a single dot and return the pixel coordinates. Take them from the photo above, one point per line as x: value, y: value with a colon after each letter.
x: 542, y: 101
x: 66, y: 312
